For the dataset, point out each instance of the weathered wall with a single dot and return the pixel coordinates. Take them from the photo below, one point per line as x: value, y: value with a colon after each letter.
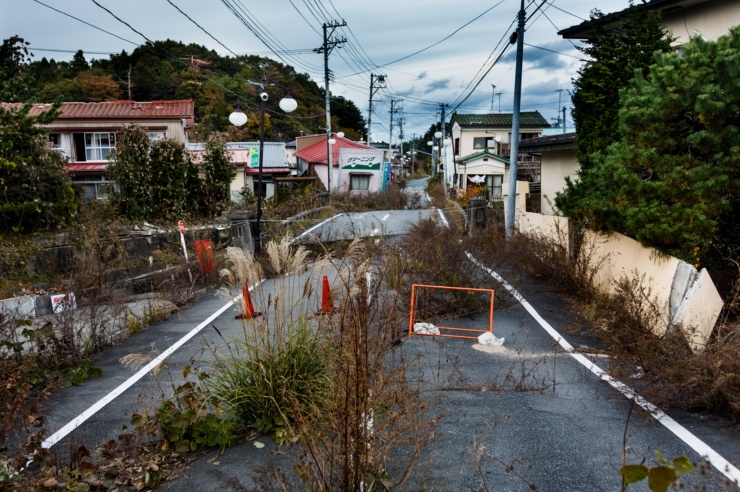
x: 682, y: 295
x: 556, y: 165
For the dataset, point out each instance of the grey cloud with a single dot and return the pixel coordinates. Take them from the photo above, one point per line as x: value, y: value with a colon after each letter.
x: 542, y: 56
x: 438, y: 84
x: 422, y: 75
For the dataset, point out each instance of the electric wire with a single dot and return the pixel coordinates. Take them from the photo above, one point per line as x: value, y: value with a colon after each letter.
x: 249, y: 103
x: 569, y: 13
x: 551, y: 51
x: 441, y: 40
x: 201, y: 27
x: 304, y: 18
x: 260, y: 32
x: 86, y: 23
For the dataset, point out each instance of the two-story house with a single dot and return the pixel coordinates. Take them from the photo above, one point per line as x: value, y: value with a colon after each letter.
x: 682, y: 19
x: 85, y: 133
x: 482, y: 149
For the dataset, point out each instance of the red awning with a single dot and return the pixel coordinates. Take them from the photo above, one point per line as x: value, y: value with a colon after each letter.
x: 86, y: 168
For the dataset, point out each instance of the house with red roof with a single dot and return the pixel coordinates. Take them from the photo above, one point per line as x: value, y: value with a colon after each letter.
x: 356, y: 167
x: 85, y: 133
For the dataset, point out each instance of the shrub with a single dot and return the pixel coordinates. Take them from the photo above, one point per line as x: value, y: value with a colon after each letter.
x: 269, y: 384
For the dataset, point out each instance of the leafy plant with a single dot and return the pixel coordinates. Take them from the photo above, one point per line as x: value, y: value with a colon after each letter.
x: 661, y: 476
x: 188, y: 420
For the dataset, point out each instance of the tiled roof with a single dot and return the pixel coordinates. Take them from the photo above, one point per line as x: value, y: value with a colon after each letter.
x: 128, y: 110
x: 317, y: 154
x: 483, y: 153
x: 550, y: 142
x: 274, y: 157
x: 582, y: 30
x: 530, y: 118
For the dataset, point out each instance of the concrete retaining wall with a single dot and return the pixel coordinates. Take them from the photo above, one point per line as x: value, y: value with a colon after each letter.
x: 682, y: 295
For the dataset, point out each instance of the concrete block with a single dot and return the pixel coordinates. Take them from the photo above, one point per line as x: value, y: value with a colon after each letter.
x: 702, y: 309
x: 23, y: 307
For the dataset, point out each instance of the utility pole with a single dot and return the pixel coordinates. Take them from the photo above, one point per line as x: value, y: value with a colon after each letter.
x: 400, y: 139
x: 442, y: 152
x: 413, y: 152
x: 493, y: 95
x: 499, y: 100
x: 560, y: 93
x: 514, y: 156
x: 392, y: 111
x: 129, y: 82
x: 326, y: 48
x: 563, y: 119
x: 380, y: 81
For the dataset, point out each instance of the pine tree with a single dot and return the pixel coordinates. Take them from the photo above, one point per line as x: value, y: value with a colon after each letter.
x: 615, y: 53
x: 672, y: 181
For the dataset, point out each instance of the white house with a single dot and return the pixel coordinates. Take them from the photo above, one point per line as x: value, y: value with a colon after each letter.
x: 483, y: 142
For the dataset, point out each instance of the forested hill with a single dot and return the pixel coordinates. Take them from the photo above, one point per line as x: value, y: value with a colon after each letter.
x: 173, y: 70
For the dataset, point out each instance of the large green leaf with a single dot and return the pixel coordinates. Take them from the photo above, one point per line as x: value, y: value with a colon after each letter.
x: 633, y: 473
x: 660, y: 478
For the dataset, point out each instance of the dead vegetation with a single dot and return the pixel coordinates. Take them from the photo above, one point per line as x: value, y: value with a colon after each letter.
x: 663, y: 368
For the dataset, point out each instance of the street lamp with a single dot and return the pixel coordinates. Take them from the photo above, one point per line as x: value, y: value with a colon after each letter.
x: 238, y: 118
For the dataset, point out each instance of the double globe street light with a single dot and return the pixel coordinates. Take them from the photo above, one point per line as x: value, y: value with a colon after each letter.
x: 238, y: 118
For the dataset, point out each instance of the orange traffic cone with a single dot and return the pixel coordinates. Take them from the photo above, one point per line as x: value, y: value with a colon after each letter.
x: 248, y: 307
x: 327, y: 306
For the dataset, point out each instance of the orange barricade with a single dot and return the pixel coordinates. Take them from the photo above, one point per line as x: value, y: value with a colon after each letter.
x: 441, y: 328
x: 204, y: 252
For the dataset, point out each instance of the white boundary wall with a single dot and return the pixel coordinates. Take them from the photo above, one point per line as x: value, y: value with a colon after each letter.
x: 682, y: 295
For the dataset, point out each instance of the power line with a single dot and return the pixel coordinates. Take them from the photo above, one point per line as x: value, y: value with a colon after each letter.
x: 86, y: 23
x: 552, y: 51
x: 121, y: 21
x: 260, y: 32
x: 443, y: 39
x: 201, y: 27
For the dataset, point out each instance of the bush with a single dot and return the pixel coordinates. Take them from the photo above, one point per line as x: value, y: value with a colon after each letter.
x: 270, y: 384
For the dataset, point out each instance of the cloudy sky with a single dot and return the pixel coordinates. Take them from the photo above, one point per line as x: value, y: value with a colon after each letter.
x: 431, y: 52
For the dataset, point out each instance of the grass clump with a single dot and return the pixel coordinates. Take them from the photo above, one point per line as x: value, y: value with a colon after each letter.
x: 270, y: 384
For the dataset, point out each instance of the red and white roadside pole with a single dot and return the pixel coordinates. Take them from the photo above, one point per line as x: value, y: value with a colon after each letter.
x: 181, y: 226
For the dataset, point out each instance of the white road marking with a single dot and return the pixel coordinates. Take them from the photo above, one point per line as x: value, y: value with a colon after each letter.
x: 307, y: 231
x: 720, y: 463
x: 375, y: 232
x: 384, y: 218
x: 444, y: 219
x: 97, y: 406
x: 81, y: 418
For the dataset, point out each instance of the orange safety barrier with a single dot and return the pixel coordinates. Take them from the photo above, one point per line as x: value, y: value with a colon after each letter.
x: 440, y: 328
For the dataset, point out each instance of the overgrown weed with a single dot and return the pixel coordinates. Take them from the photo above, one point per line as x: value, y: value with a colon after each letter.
x: 663, y: 368
x: 327, y: 384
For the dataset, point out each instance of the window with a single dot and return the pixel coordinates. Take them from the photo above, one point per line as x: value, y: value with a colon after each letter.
x: 99, y: 145
x: 359, y: 182
x: 155, y: 136
x: 56, y: 141
x: 480, y: 143
x: 494, y: 184
x: 260, y: 190
x: 93, y: 187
